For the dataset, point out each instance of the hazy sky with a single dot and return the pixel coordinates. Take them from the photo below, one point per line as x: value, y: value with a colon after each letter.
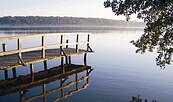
x: 73, y: 8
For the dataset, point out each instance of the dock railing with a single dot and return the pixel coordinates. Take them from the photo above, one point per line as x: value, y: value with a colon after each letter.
x: 22, y: 56
x: 61, y: 43
x: 43, y: 46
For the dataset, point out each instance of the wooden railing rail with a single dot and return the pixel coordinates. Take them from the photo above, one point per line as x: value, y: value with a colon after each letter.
x: 43, y: 46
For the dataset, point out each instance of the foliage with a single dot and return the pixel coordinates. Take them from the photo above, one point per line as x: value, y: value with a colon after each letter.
x: 158, y: 33
x: 59, y: 21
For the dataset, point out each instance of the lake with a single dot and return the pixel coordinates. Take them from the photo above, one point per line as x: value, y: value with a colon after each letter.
x: 119, y: 73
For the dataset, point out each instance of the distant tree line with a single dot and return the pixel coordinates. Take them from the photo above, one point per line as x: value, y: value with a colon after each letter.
x: 58, y: 21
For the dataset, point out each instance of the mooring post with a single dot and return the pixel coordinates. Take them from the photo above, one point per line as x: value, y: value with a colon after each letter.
x: 14, y: 72
x: 4, y: 48
x: 32, y: 71
x: 77, y: 44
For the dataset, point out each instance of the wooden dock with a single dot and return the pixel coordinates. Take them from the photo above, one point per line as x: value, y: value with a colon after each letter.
x: 43, y: 78
x: 13, y: 58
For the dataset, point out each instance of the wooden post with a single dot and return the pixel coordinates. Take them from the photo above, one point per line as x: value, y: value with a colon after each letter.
x: 43, y: 49
x: 61, y: 53
x: 14, y: 72
x: 32, y: 71
x: 61, y: 42
x: 66, y: 57
x: 45, y: 65
x: 67, y: 43
x: 85, y: 59
x: 19, y: 47
x: 77, y: 45
x: 69, y: 58
x: 88, y: 40
x: 6, y: 74
x: 62, y: 64
x: 4, y: 48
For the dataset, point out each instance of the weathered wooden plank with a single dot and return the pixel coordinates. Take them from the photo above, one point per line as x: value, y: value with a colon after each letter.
x: 10, y: 61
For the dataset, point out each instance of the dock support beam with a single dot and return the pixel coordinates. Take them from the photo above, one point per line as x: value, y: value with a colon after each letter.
x: 62, y: 64
x: 6, y: 74
x: 69, y: 58
x: 14, y: 72
x: 32, y: 72
x: 45, y: 65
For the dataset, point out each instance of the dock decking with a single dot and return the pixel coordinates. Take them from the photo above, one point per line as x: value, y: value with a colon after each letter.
x: 11, y: 61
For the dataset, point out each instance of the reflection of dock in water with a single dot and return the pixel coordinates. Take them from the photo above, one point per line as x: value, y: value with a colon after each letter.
x: 22, y: 83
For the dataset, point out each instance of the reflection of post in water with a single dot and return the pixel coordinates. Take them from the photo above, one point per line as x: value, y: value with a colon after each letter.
x: 44, y: 92
x: 21, y: 84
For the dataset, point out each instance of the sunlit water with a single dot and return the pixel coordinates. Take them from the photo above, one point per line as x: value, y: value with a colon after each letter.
x: 119, y: 73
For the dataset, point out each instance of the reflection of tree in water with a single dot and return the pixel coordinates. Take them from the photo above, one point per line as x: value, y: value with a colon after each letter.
x: 158, y: 33
x: 138, y: 99
x: 42, y: 79
x: 65, y: 29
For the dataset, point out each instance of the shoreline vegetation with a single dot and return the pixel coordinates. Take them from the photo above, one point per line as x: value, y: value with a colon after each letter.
x: 53, y: 22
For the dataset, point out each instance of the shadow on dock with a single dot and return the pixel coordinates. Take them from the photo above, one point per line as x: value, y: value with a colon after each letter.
x: 22, y: 84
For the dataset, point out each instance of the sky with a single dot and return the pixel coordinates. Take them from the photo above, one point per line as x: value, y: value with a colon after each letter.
x: 69, y: 8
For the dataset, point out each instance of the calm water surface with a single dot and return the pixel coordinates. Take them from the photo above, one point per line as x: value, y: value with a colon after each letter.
x: 119, y: 73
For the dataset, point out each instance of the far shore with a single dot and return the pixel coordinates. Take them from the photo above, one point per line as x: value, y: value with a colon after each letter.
x: 64, y: 26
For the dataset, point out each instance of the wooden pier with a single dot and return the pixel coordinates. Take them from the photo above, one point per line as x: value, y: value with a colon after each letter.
x: 61, y: 48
